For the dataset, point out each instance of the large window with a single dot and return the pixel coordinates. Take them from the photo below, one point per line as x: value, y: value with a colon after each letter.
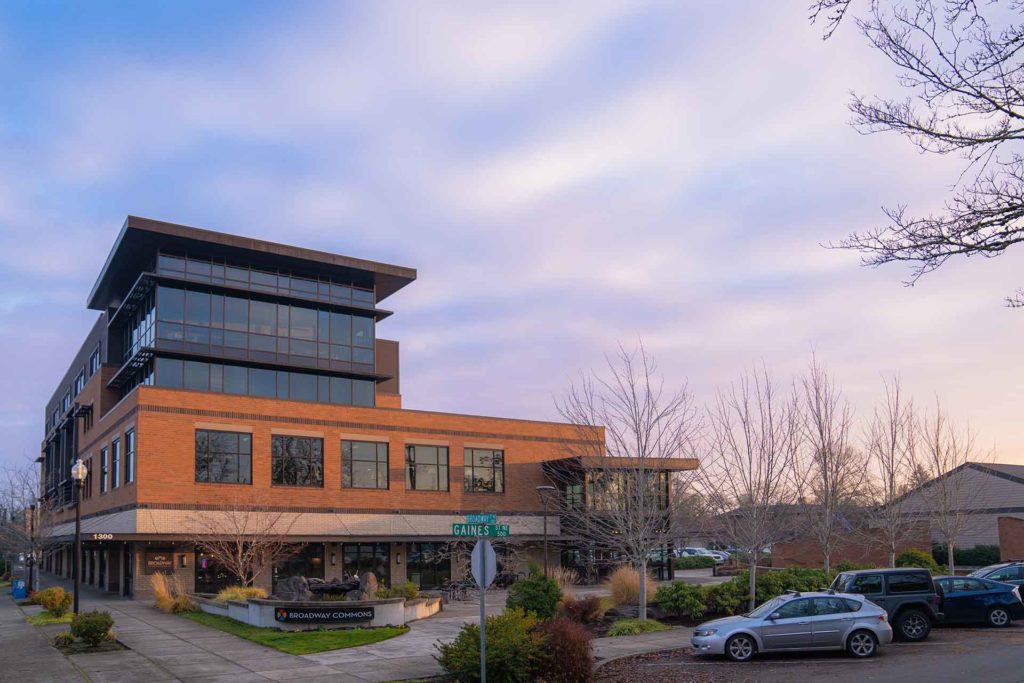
x: 426, y: 468
x: 364, y: 465
x: 104, y: 472
x: 429, y: 565
x: 223, y: 457
x: 249, y: 329
x: 297, y: 461
x: 129, y: 456
x: 79, y: 383
x: 94, y: 362
x: 284, y: 282
x: 359, y: 558
x: 236, y: 379
x: 484, y: 470
x: 308, y: 562
x: 115, y: 463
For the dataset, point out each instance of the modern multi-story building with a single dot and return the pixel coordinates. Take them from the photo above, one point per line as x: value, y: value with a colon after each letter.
x: 228, y: 373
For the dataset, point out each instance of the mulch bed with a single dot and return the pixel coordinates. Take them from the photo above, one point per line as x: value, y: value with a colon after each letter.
x: 79, y: 647
x: 664, y: 667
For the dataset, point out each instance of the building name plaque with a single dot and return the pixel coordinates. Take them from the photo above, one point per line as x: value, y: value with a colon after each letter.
x: 323, y: 615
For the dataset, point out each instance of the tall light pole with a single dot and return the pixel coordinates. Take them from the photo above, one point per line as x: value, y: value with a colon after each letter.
x: 544, y: 491
x: 78, y: 473
x: 31, y: 542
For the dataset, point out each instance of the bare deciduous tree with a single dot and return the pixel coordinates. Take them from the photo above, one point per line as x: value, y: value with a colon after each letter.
x: 244, y: 538
x: 833, y: 471
x: 628, y: 508
x: 747, y: 476
x: 951, y: 494
x: 959, y: 61
x: 891, y: 445
x: 25, y: 521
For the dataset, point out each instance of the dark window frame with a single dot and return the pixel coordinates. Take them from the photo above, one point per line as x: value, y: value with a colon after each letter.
x: 411, y: 467
x: 379, y: 459
x: 115, y: 463
x: 210, y: 454
x: 497, y: 472
x: 282, y: 460
x: 130, y: 447
x: 104, y: 459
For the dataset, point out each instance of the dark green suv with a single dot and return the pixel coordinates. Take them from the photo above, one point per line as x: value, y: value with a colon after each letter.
x: 907, y: 595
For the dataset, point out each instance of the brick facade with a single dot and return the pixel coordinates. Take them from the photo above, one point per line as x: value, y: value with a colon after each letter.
x: 806, y: 551
x: 1011, y: 538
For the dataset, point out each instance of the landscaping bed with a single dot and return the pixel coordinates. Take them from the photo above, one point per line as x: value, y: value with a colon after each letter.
x: 298, y: 642
x: 656, y: 669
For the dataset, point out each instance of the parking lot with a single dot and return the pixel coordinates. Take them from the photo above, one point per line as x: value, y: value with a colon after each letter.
x: 949, y: 654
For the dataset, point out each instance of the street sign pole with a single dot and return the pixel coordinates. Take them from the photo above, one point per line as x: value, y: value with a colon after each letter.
x: 483, y: 622
x: 483, y: 563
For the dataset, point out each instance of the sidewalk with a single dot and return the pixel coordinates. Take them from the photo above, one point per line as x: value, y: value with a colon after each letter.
x: 165, y: 647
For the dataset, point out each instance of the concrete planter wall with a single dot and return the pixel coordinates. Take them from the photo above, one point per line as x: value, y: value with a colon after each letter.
x: 262, y: 613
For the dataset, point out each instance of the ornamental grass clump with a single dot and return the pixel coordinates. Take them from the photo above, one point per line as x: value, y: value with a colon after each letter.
x: 587, y: 610
x: 240, y: 594
x: 624, y: 585
x: 170, y: 595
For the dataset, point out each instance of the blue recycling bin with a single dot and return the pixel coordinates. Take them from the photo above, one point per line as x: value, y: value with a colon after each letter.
x: 19, y: 590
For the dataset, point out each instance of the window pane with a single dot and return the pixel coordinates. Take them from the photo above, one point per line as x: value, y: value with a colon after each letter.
x: 303, y: 387
x: 341, y: 390
x: 168, y: 372
x: 170, y: 264
x: 341, y: 329
x: 197, y: 308
x: 303, y: 325
x: 362, y: 331
x: 236, y: 314
x: 197, y: 375
x: 262, y: 317
x: 262, y: 382
x: 170, y: 304
x: 362, y: 392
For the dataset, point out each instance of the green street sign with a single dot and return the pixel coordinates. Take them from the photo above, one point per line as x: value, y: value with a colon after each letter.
x: 484, y: 518
x: 481, y: 530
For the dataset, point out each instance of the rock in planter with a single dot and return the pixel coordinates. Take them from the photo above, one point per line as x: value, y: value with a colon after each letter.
x: 368, y: 585
x: 294, y: 588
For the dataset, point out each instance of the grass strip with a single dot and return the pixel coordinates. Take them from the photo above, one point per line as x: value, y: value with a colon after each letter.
x: 297, y: 642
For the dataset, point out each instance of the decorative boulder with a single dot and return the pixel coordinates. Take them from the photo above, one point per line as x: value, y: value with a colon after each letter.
x: 294, y: 588
x: 368, y: 585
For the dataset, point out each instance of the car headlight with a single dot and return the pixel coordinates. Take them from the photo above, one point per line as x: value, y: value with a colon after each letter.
x: 704, y: 632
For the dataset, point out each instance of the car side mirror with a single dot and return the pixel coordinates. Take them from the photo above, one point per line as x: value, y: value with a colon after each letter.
x: 773, y: 616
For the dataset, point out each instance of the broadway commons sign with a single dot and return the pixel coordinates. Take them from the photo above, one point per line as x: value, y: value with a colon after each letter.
x: 323, y: 615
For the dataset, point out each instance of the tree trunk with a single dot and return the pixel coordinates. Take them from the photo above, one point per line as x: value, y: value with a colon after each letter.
x: 827, y: 553
x: 949, y: 558
x: 643, y: 589
x: 752, y: 587
x: 892, y: 556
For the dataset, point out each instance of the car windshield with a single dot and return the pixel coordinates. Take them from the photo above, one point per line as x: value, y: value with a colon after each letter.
x: 767, y: 608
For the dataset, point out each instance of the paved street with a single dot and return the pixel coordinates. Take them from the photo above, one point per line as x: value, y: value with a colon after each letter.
x: 949, y: 654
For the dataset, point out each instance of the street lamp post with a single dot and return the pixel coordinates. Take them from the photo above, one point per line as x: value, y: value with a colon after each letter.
x: 78, y: 473
x: 543, y: 492
x: 31, y: 542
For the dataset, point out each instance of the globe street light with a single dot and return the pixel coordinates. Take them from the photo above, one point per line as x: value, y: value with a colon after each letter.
x: 78, y: 474
x: 544, y: 491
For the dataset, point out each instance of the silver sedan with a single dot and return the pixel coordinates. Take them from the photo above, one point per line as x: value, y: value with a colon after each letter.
x: 798, y: 621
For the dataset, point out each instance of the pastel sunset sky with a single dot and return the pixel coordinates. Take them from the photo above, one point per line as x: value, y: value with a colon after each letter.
x: 565, y: 176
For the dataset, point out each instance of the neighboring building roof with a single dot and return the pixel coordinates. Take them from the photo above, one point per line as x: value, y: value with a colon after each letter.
x: 139, y: 238
x: 1011, y: 472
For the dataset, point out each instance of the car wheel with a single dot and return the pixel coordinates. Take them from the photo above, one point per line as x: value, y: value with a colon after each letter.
x: 740, y: 648
x: 998, y: 617
x: 862, y: 644
x: 913, y: 625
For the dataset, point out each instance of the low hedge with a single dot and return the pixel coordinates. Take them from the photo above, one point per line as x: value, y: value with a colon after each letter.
x: 978, y: 556
x: 92, y: 627
x: 693, y: 562
x: 918, y: 558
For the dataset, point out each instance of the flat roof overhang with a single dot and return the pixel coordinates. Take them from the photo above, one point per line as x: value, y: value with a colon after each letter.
x: 561, y: 467
x: 140, y: 237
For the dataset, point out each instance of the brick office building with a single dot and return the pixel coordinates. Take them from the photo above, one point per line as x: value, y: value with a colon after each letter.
x: 226, y: 371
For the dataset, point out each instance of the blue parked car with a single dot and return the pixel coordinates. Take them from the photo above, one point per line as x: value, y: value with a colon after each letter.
x: 1005, y: 572
x: 967, y: 599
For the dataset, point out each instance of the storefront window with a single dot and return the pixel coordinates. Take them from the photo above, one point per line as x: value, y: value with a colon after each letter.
x: 358, y: 558
x: 308, y: 562
x: 429, y: 565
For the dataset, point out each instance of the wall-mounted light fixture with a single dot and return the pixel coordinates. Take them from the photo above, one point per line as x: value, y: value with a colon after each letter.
x: 334, y: 559
x: 398, y: 558
x: 183, y: 560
